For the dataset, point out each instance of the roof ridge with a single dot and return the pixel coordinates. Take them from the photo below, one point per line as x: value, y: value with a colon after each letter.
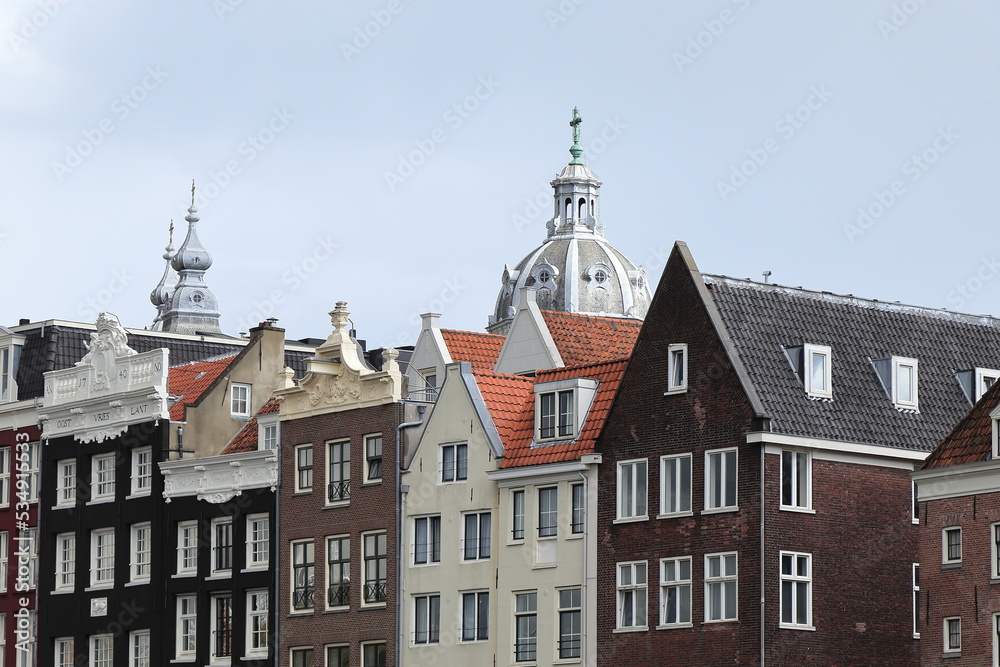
x: 216, y: 359
x: 591, y: 364
x: 484, y: 334
x: 594, y: 317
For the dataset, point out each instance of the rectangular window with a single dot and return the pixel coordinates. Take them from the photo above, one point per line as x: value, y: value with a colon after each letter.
x: 4, y: 559
x: 579, y: 509
x: 720, y: 479
x: 570, y: 623
x: 904, y: 382
x: 675, y: 591
x: 952, y: 634
x: 187, y: 626
x: 632, y: 489
x: 303, y: 468
x: 517, y: 514
x: 65, y: 655
x: 28, y: 544
x: 548, y: 511
x: 4, y: 476
x: 952, y: 545
x: 222, y: 627
x: 817, y: 364
x: 222, y: 546
x: 916, y: 600
x: 454, y: 463
x: 915, y: 502
x: 796, y: 590
x: 525, y: 626
x: 142, y: 471
x: 338, y: 574
x: 102, y: 651
x: 138, y: 649
x: 257, y: 607
x: 268, y: 436
x: 477, y: 530
x: 241, y: 400
x: 187, y: 547
x: 677, y: 368
x: 796, y: 480
x: 375, y: 567
x: 373, y: 458
x: 426, y: 540
x: 65, y: 561
x: 66, y: 483
x: 338, y: 656
x: 141, y: 549
x: 302, y: 657
x: 555, y: 418
x: 373, y: 655
x: 303, y: 575
x: 720, y: 587
x: 103, y: 477
x: 32, y: 470
x: 675, y: 484
x: 102, y: 557
x: 258, y: 540
x: 339, y: 479
x: 426, y: 619
x: 475, y: 616
x: 632, y: 595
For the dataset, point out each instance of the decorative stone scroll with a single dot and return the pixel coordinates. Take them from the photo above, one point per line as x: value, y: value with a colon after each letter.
x: 219, y: 479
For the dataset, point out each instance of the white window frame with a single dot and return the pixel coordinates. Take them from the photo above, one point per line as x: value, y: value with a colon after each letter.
x: 677, y: 361
x: 427, y: 545
x: 239, y: 405
x: 482, y: 552
x: 633, y: 499
x: 304, y: 565
x: 569, y: 608
x: 548, y: 512
x: 268, y: 432
x: 102, y: 480
x: 680, y: 584
x: 995, y: 550
x: 711, y: 484
x: 795, y: 582
x: 338, y: 472
x: 216, y: 546
x: 4, y: 559
x: 946, y: 559
x: 64, y: 651
x: 187, y: 615
x: 578, y: 509
x: 459, y: 450
x: 297, y: 651
x: 914, y: 503
x: 632, y: 595
x: 257, y: 613
x: 343, y: 543
x: 563, y: 422
x: 723, y: 581
x: 66, y: 483
x: 65, y: 555
x: 479, y: 632
x: 674, y: 480
x: 518, y: 515
x: 371, y: 440
x: 373, y: 645
x: 258, y: 541
x: 426, y: 612
x: 897, y: 399
x: 982, y: 375
x: 4, y: 476
x: 915, y: 583
x: 32, y: 470
x: 946, y: 634
x: 187, y: 548
x: 28, y: 543
x: 301, y: 468
x: 214, y: 629
x: 823, y: 389
x: 101, y: 650
x: 529, y: 613
x: 142, y: 473
x: 139, y: 649
x: 140, y: 565
x: 99, y: 565
x: 367, y: 560
x: 801, y: 500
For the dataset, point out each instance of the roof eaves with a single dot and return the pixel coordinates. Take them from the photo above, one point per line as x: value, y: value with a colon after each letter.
x: 492, y: 435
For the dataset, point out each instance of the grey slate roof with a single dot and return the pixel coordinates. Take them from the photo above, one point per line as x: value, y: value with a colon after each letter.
x: 761, y: 318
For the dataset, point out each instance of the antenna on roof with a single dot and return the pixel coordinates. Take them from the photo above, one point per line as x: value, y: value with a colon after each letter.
x: 766, y: 274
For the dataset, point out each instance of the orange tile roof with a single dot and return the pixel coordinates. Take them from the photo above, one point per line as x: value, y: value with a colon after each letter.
x: 246, y: 439
x: 479, y: 349
x: 972, y: 438
x: 518, y: 450
x: 585, y: 339
x: 507, y: 398
x: 190, y: 381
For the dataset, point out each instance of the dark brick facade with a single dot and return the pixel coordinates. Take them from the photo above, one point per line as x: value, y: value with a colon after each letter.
x: 15, y: 600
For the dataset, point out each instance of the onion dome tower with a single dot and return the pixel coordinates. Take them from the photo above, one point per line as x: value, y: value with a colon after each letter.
x: 575, y: 270
x: 160, y: 296
x: 192, y: 308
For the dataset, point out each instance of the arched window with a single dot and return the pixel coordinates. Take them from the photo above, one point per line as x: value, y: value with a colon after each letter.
x: 569, y: 209
x: 582, y: 208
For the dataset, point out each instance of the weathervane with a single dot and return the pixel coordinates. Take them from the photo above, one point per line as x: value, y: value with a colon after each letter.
x: 576, y: 150
x: 171, y: 230
x: 192, y: 193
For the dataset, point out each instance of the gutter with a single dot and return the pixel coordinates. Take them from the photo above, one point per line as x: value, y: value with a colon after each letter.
x: 421, y: 408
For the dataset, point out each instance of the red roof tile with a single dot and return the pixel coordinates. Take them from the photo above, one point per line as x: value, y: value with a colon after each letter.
x: 246, y: 439
x: 518, y: 450
x: 189, y: 381
x: 507, y: 398
x: 972, y: 439
x: 585, y: 339
x: 479, y: 349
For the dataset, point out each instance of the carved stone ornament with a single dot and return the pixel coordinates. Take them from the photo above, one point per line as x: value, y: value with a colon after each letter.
x: 332, y: 390
x: 98, y: 607
x: 219, y: 479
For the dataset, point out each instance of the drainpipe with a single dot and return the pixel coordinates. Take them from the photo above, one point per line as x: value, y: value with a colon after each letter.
x: 762, y: 555
x: 583, y: 592
x: 275, y: 546
x: 421, y: 408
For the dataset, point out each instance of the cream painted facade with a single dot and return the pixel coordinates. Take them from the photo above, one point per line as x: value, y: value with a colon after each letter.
x: 460, y: 419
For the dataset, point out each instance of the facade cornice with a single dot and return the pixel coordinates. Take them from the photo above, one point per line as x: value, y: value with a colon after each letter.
x: 538, y: 474
x: 967, y: 479
x: 218, y: 479
x: 840, y: 450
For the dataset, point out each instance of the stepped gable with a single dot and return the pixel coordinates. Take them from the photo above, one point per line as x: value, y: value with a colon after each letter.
x: 479, y: 349
x: 585, y: 339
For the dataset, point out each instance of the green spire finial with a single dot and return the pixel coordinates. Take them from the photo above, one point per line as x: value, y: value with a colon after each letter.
x: 576, y: 150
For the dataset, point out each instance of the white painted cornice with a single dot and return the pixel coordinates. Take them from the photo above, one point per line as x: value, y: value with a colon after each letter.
x: 218, y: 479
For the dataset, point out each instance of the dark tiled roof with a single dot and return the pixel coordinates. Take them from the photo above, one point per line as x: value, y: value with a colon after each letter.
x: 246, y: 439
x: 479, y: 349
x: 972, y: 439
x: 585, y: 339
x: 761, y: 318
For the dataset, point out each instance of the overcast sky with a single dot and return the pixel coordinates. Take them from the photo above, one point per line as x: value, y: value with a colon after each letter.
x: 393, y: 153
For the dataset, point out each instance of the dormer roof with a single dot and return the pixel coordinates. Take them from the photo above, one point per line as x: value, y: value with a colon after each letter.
x: 246, y: 439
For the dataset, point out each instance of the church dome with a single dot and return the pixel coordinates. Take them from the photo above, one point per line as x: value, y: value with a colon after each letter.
x: 575, y: 270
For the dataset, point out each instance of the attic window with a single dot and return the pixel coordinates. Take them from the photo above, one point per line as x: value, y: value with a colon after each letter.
x: 677, y: 380
x: 561, y: 408
x: 817, y: 370
x: 899, y: 379
x: 985, y: 378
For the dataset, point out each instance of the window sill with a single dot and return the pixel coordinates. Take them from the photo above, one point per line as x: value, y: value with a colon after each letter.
x: 101, y: 501
x: 337, y: 610
x: 785, y: 626
x: 720, y: 510
x: 951, y: 566
x: 637, y: 628
x: 566, y: 661
x: 516, y: 543
x: 633, y: 519
x: 544, y: 566
x: 375, y: 605
x: 256, y: 568
x: 184, y: 575
x: 547, y: 538
x: 722, y: 620
x: 299, y: 613
x: 915, y: 522
x: 371, y: 482
x: 431, y: 564
x: 254, y: 656
x: 99, y: 587
x: 64, y: 591
x: 951, y: 654
x: 218, y: 576
x: 674, y: 515
x: 674, y: 392
x: 301, y: 492
x: 183, y: 660
x: 340, y: 503
x: 141, y: 494
x: 799, y: 510
x: 60, y: 507
x: 574, y: 536
x: 137, y: 583
x: 675, y: 626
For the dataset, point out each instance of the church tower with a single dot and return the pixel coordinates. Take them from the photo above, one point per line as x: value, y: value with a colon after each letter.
x: 575, y: 270
x: 160, y: 296
x: 192, y: 308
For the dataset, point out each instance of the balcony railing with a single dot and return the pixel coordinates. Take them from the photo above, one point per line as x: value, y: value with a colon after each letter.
x: 302, y: 597
x: 338, y: 595
x: 375, y: 591
x: 339, y: 491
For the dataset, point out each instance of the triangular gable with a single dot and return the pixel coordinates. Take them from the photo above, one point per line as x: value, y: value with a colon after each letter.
x: 529, y: 345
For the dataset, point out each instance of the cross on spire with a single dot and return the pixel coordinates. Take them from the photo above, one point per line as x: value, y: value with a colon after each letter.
x: 192, y: 193
x: 576, y: 150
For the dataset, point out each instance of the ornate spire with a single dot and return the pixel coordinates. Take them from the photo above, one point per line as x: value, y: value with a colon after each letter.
x: 576, y: 150
x: 160, y: 296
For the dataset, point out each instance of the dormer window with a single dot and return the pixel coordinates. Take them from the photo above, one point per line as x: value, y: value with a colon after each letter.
x: 10, y: 355
x: 816, y: 376
x: 561, y: 407
x: 677, y: 373
x: 267, y: 432
x: 556, y: 414
x: 899, y: 379
x: 985, y: 378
